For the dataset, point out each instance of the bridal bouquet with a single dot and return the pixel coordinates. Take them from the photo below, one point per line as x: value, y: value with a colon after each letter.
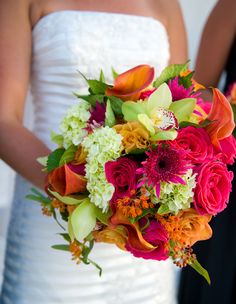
x: 140, y: 164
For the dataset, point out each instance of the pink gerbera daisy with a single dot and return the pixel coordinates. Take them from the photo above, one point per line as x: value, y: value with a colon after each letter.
x: 179, y: 92
x: 164, y: 164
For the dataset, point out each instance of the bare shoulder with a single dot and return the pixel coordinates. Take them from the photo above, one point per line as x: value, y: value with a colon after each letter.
x: 166, y: 10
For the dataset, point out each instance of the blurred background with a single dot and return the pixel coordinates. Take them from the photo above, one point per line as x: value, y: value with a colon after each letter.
x: 195, y: 14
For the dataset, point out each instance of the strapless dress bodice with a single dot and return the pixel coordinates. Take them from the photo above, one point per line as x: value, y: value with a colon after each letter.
x: 66, y: 42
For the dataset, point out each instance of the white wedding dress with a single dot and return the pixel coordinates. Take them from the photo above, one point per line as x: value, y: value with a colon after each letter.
x: 63, y: 43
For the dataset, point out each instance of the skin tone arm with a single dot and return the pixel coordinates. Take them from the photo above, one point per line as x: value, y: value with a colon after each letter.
x: 217, y: 38
x: 176, y: 30
x: 18, y: 146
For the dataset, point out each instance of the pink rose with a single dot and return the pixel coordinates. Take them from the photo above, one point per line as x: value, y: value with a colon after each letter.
x: 122, y: 175
x: 213, y: 187
x: 227, y: 153
x: 196, y: 142
x: 156, y: 235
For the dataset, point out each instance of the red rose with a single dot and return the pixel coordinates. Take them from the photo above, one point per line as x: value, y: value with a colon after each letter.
x: 122, y: 175
x: 213, y: 187
x: 196, y: 142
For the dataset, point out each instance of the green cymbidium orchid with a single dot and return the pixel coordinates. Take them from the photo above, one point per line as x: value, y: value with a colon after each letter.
x: 158, y: 114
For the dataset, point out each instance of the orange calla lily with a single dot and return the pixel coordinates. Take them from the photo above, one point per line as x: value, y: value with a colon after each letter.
x: 129, y: 84
x: 64, y: 181
x: 135, y: 238
x: 222, y: 118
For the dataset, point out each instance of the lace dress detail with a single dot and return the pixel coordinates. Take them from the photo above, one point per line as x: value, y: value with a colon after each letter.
x: 64, y: 43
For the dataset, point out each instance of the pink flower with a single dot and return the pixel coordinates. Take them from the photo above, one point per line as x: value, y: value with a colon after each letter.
x: 179, y: 92
x: 205, y: 105
x: 196, y: 142
x: 164, y: 164
x: 156, y: 235
x: 122, y: 175
x: 213, y: 187
x: 227, y: 152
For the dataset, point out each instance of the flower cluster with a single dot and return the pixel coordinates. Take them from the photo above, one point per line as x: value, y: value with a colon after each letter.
x: 142, y: 164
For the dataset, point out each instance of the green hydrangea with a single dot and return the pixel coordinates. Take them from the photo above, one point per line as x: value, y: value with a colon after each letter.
x: 175, y: 197
x: 73, y: 124
x: 102, y: 145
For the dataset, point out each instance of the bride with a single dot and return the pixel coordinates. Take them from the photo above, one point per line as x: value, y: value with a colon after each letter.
x: 43, y: 43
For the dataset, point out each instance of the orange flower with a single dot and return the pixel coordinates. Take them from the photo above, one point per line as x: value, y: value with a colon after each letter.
x: 135, y: 238
x: 129, y: 84
x: 222, y: 118
x: 187, y: 227
x: 64, y: 181
x: 135, y: 136
x: 117, y: 236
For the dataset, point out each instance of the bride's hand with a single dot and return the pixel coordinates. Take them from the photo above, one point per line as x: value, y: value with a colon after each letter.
x: 18, y: 146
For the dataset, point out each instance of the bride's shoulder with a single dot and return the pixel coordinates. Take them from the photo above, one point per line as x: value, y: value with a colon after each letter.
x: 166, y: 11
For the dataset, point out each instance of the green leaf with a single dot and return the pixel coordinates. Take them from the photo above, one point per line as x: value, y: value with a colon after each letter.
x: 186, y: 81
x: 68, y: 155
x: 95, y: 86
x: 116, y: 104
x: 86, y: 251
x: 114, y: 73
x: 54, y: 159
x: 69, y: 200
x: 91, y: 98
x: 65, y: 236
x: 170, y: 72
x: 42, y: 160
x: 185, y: 124
x: 164, y: 135
x: 102, y: 217
x: 102, y: 77
x: 70, y: 229
x: 183, y: 108
x: 110, y: 119
x: 202, y: 271
x: 57, y: 138
x: 83, y: 220
x: 39, y: 197
x: 54, y: 214
x: 61, y: 247
x: 163, y: 209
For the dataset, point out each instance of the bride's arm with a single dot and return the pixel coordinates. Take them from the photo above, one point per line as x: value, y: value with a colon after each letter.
x: 174, y: 22
x: 18, y: 146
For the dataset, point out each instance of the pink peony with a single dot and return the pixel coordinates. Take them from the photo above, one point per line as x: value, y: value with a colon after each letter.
x: 227, y: 152
x: 156, y: 235
x: 122, y: 175
x: 196, y: 142
x: 213, y: 187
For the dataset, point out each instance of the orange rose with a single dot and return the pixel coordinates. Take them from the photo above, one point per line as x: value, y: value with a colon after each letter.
x: 117, y: 236
x: 135, y: 136
x: 188, y: 227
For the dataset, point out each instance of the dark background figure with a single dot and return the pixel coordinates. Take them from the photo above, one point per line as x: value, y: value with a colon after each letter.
x: 217, y: 53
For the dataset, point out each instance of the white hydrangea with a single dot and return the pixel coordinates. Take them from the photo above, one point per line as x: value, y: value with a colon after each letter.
x: 177, y: 197
x: 73, y: 124
x: 102, y: 145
